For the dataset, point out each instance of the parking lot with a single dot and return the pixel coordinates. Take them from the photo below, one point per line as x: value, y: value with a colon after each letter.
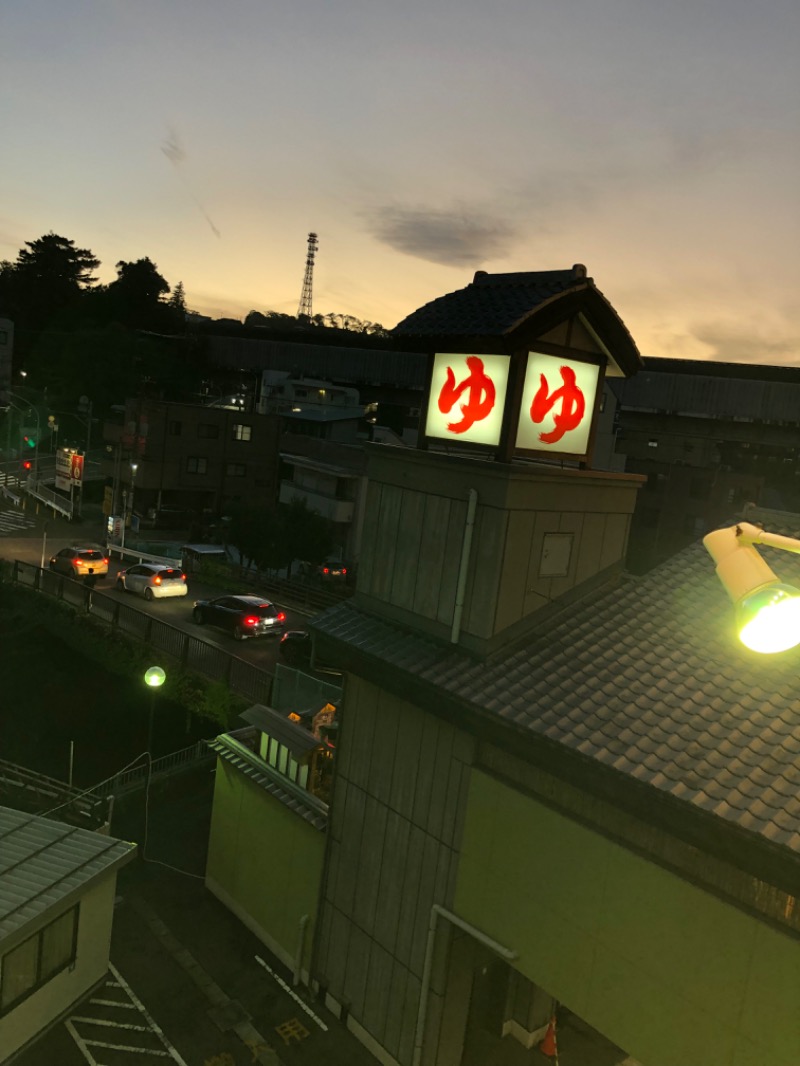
x: 187, y: 985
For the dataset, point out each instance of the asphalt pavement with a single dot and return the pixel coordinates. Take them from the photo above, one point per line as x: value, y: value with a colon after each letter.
x: 189, y: 981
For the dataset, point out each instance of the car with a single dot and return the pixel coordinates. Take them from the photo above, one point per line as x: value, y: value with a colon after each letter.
x: 153, y: 580
x: 243, y: 616
x: 295, y: 647
x: 328, y: 571
x: 81, y: 562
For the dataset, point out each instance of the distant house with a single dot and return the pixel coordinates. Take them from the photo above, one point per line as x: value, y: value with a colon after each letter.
x: 709, y: 437
x: 57, y: 887
x: 190, y: 457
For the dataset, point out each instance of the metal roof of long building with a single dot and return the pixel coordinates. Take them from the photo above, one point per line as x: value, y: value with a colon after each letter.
x: 700, y: 394
x: 44, y: 863
x: 646, y: 678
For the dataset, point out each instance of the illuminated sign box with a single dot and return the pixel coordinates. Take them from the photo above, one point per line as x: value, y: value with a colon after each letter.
x: 467, y: 398
x: 558, y: 402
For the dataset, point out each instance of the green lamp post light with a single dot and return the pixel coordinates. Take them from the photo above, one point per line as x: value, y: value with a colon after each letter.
x: 154, y: 678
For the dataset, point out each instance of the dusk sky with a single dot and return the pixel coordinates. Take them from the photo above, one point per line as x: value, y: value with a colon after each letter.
x: 656, y: 142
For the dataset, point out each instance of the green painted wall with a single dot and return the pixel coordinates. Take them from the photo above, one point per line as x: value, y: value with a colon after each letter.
x: 266, y: 859
x: 667, y: 971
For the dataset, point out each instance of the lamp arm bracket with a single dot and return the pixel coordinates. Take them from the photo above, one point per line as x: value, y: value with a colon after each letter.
x: 747, y: 533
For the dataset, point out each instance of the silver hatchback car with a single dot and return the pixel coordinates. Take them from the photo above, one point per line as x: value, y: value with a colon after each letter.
x: 153, y: 581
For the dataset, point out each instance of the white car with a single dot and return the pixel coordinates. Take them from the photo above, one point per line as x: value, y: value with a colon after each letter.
x: 153, y: 580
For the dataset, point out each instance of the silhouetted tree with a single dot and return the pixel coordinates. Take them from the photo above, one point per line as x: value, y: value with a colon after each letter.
x: 134, y: 298
x: 49, y: 276
x: 177, y: 300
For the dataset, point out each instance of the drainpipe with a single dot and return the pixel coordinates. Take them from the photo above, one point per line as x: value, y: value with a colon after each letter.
x: 466, y: 548
x: 476, y: 934
x: 298, y: 956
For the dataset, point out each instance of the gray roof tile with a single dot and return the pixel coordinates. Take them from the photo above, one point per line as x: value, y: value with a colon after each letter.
x: 490, y: 304
x: 646, y: 678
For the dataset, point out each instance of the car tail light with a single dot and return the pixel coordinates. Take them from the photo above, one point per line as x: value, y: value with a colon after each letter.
x: 281, y: 617
x: 325, y: 570
x: 344, y: 569
x: 183, y: 577
x: 156, y: 580
x: 250, y: 621
x: 105, y: 561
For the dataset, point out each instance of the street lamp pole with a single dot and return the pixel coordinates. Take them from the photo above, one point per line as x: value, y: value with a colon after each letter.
x: 154, y: 678
x: 134, y: 468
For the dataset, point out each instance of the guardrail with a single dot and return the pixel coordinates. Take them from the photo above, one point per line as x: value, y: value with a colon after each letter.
x: 141, y: 557
x: 241, y: 677
x: 132, y: 780
x: 40, y: 491
x: 37, y: 790
x: 15, y: 498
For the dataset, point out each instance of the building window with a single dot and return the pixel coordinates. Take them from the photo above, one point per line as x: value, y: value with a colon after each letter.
x: 207, y: 431
x: 235, y: 470
x: 175, y: 429
x: 33, y: 962
x: 241, y: 432
x: 652, y: 443
x: 196, y: 464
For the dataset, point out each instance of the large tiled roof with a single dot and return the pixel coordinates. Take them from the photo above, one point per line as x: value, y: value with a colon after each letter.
x: 490, y: 304
x: 43, y: 863
x: 646, y: 678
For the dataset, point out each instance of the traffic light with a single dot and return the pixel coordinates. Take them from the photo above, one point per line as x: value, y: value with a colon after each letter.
x: 29, y: 441
x: 27, y: 464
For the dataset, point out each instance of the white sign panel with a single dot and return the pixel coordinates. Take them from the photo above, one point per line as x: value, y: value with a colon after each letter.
x: 467, y: 398
x: 557, y: 405
x: 63, y: 470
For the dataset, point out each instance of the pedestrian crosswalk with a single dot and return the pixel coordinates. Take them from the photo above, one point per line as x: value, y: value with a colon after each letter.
x: 15, y: 521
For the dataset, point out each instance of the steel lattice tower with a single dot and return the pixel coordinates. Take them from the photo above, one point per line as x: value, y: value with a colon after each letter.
x: 304, y: 310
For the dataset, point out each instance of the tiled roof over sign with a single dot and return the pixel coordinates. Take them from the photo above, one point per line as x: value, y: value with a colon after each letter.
x: 646, y: 678
x: 491, y: 304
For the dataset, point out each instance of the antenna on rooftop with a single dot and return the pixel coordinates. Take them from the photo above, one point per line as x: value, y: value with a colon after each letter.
x: 304, y: 310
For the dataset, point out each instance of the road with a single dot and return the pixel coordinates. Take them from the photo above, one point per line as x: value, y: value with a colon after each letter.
x: 31, y: 548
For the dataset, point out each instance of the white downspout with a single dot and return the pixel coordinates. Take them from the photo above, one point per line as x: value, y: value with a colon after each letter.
x: 466, y: 548
x: 476, y: 934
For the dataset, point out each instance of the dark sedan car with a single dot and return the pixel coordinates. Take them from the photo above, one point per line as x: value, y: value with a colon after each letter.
x: 243, y: 616
x: 295, y: 647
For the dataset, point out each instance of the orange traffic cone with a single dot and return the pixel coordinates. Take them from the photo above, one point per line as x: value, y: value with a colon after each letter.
x: 548, y: 1045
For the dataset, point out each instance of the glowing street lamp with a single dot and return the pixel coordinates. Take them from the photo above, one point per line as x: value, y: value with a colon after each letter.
x: 767, y: 611
x: 154, y: 678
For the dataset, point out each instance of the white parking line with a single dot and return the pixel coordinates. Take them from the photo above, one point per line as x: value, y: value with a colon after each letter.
x: 292, y: 993
x: 126, y: 1047
x: 151, y: 1021
x: 85, y: 1043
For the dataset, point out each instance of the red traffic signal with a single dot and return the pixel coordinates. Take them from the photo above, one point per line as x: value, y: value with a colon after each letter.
x: 27, y: 464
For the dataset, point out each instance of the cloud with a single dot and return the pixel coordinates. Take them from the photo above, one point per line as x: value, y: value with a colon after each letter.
x: 449, y: 238
x: 732, y: 342
x: 172, y: 148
